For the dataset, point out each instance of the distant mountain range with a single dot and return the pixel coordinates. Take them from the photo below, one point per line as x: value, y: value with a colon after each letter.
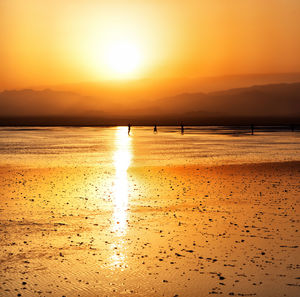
x: 278, y: 100
x: 274, y: 102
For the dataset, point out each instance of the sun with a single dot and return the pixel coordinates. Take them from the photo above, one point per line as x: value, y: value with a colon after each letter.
x: 123, y: 58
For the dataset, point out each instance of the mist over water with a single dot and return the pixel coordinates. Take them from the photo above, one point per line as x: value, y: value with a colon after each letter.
x: 95, y: 146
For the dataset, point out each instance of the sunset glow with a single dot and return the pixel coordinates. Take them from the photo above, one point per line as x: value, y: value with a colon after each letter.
x: 149, y: 148
x: 113, y: 40
x: 123, y: 58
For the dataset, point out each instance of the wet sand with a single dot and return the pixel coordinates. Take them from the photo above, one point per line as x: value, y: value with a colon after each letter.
x: 156, y: 231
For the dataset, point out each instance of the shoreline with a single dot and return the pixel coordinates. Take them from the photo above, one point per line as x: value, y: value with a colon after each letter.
x: 136, y: 166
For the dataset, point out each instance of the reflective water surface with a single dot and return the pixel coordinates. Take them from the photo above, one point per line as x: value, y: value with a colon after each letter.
x: 122, y: 158
x: 60, y: 146
x: 97, y: 212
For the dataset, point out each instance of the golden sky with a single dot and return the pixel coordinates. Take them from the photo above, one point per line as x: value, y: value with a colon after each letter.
x: 48, y: 42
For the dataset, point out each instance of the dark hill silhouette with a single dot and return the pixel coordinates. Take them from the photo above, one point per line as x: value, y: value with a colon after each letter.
x: 278, y: 100
x: 266, y: 103
x: 46, y: 102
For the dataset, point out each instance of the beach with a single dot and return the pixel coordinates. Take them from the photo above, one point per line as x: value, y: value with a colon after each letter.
x: 98, y: 212
x: 184, y: 231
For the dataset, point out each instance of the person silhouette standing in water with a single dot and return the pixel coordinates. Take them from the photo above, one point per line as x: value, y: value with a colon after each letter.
x: 182, y: 128
x: 252, y: 129
x: 155, y: 129
x: 129, y: 127
x: 292, y: 127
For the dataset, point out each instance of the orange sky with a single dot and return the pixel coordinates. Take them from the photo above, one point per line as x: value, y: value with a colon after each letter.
x: 67, y: 41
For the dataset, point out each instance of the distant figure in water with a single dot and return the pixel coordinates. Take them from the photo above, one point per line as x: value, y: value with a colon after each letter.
x: 252, y: 129
x: 182, y: 128
x: 129, y: 127
x: 155, y: 129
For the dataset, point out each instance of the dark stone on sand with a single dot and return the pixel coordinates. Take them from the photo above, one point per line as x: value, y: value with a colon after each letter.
x: 178, y: 255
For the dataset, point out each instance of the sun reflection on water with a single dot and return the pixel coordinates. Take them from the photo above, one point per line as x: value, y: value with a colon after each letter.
x: 121, y: 158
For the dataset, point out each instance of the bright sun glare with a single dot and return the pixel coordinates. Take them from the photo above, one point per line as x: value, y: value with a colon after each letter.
x: 123, y: 58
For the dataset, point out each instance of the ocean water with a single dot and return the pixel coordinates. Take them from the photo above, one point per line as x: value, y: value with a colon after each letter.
x: 110, y: 229
x: 103, y: 146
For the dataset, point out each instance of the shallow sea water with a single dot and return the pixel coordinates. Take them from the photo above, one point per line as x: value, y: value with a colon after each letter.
x: 90, y: 212
x: 94, y: 146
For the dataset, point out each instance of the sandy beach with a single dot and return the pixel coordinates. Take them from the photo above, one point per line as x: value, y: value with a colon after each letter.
x: 183, y: 231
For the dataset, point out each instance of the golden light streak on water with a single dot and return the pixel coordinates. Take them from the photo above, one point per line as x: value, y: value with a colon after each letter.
x: 122, y: 159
